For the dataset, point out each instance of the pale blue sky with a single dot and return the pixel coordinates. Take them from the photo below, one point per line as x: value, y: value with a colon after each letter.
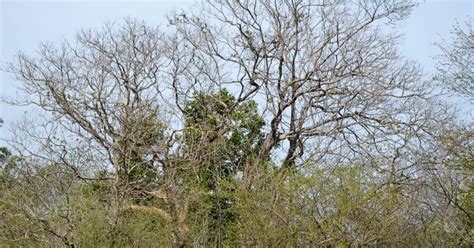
x: 24, y: 24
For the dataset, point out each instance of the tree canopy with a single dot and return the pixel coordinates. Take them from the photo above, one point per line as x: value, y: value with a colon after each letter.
x: 248, y: 123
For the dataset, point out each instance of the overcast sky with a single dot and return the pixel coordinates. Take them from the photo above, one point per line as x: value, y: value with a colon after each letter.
x: 24, y: 24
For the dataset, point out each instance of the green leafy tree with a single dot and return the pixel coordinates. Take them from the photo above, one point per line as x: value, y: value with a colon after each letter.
x: 224, y: 133
x: 226, y: 136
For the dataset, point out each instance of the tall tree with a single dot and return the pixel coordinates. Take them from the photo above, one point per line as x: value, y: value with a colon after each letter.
x: 328, y: 76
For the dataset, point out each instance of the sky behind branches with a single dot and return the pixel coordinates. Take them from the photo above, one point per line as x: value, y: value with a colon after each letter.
x: 24, y: 24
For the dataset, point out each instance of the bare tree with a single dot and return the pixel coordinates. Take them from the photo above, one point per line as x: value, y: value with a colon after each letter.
x: 103, y: 95
x: 456, y: 62
x: 102, y: 89
x: 327, y: 73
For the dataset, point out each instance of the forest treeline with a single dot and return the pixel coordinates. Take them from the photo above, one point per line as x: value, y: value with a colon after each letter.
x: 270, y: 123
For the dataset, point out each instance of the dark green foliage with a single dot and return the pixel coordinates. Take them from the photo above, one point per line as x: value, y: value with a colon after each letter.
x: 225, y: 134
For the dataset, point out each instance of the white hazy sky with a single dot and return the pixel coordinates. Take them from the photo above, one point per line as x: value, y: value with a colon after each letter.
x: 24, y: 24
